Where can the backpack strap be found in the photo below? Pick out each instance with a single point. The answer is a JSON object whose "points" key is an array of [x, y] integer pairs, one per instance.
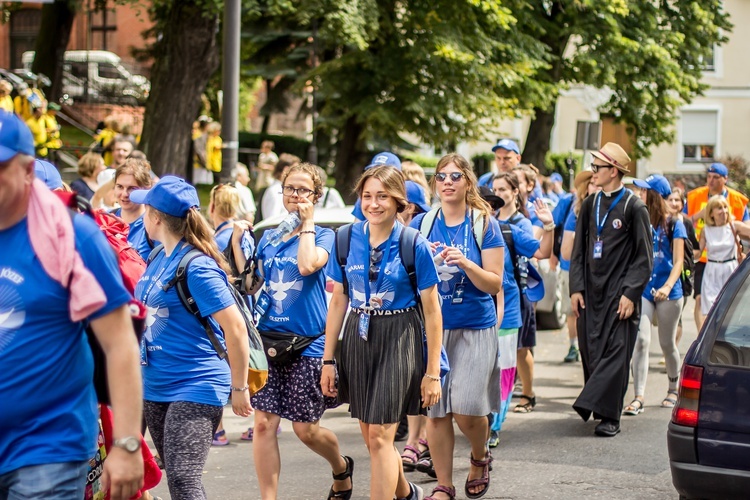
{"points": [[179, 281], [425, 225], [507, 233], [407, 247], [152, 255], [478, 224], [343, 241]]}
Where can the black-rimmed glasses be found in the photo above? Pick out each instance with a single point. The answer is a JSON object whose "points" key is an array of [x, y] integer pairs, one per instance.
{"points": [[595, 168], [301, 192], [455, 176], [376, 255]]}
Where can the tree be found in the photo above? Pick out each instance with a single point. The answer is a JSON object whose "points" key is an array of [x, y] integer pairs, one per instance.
{"points": [[648, 53]]}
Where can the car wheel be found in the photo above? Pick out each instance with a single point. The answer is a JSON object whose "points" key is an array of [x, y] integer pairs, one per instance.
{"points": [[554, 319]]}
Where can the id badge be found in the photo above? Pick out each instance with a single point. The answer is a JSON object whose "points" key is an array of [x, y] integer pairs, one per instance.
{"points": [[598, 249], [364, 325], [144, 352], [458, 293], [261, 306]]}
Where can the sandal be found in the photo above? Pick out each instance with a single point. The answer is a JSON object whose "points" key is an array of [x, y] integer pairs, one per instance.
{"points": [[527, 407], [669, 402], [248, 435], [482, 481], [220, 439], [409, 458], [347, 474], [448, 490], [634, 408]]}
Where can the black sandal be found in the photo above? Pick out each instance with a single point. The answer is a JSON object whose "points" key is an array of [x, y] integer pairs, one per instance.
{"points": [[527, 407], [347, 474]]}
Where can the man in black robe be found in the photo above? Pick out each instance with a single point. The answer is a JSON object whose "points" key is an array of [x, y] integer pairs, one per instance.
{"points": [[610, 266]]}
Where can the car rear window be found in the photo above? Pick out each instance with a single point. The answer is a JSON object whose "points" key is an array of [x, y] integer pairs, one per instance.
{"points": [[732, 346]]}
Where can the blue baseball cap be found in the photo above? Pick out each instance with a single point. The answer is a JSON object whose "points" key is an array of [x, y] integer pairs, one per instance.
{"points": [[172, 195], [656, 182], [508, 144], [47, 173], [534, 284], [415, 194], [555, 177], [385, 158], [719, 168], [15, 137]]}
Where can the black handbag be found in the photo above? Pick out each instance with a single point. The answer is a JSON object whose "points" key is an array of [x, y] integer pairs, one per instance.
{"points": [[285, 346]]}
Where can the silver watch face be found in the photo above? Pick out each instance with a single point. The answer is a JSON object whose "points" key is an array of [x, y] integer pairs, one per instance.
{"points": [[129, 444]]}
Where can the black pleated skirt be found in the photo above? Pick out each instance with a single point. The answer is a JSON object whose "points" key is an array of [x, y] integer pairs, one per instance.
{"points": [[380, 377]]}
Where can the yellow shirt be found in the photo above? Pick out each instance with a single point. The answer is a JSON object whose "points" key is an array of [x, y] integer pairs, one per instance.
{"points": [[105, 138], [6, 104], [53, 131], [213, 153], [36, 125]]}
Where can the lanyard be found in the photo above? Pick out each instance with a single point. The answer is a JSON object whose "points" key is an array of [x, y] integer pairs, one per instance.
{"points": [[600, 222], [444, 231], [384, 262], [221, 226], [176, 251]]}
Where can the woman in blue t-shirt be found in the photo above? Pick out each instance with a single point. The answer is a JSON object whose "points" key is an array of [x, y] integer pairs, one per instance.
{"points": [[186, 383], [293, 294], [525, 247], [131, 176], [470, 274], [381, 369], [663, 294]]}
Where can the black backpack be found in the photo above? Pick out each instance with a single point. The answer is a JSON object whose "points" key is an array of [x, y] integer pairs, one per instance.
{"points": [[688, 261], [520, 263], [240, 282]]}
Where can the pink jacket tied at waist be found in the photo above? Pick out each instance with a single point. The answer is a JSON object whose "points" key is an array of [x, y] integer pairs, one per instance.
{"points": [[53, 241]]}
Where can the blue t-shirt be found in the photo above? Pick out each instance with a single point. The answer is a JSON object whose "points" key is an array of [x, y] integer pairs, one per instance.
{"points": [[477, 309], [297, 303], [486, 179], [224, 238], [137, 236], [531, 208], [663, 264], [526, 245], [395, 290], [48, 405], [182, 363], [570, 225], [562, 208], [357, 211]]}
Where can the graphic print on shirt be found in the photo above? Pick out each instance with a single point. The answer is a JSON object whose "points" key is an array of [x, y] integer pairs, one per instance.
{"points": [[386, 294], [12, 312], [284, 287], [156, 319], [447, 275]]}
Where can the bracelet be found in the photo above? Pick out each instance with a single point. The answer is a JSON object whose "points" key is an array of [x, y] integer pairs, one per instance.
{"points": [[308, 232], [549, 227], [432, 377], [329, 362], [239, 389]]}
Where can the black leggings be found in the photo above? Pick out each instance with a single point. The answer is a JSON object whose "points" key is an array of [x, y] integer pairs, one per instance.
{"points": [[182, 434]]}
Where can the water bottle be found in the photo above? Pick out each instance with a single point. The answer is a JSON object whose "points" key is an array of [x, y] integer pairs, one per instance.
{"points": [[523, 271], [286, 227]]}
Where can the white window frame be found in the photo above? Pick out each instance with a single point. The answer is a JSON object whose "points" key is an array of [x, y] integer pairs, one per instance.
{"points": [[698, 166]]}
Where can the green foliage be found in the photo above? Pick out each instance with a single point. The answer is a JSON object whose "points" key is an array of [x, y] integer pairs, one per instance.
{"points": [[556, 162], [738, 167], [426, 162], [283, 143]]}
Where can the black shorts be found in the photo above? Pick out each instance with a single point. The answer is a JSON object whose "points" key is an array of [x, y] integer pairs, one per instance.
{"points": [[527, 332], [698, 278]]}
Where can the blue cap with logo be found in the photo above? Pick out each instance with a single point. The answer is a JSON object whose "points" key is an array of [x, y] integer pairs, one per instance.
{"points": [[415, 194], [508, 144], [555, 177], [656, 182], [15, 137], [48, 173], [385, 158], [172, 195], [719, 168]]}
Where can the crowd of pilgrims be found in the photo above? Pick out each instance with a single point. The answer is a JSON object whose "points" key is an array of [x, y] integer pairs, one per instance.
{"points": [[378, 344]]}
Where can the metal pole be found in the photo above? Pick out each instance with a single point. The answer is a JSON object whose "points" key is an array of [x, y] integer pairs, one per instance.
{"points": [[231, 87], [312, 153]]}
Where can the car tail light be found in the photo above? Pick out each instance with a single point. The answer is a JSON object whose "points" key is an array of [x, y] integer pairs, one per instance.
{"points": [[686, 410]]}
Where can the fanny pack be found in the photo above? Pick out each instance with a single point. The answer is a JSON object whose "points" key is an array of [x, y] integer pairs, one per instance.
{"points": [[285, 346]]}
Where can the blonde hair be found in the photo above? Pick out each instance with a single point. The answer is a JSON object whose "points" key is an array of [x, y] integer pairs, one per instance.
{"points": [[88, 164], [474, 200], [225, 200], [313, 171], [393, 181], [714, 202], [414, 172], [139, 169]]}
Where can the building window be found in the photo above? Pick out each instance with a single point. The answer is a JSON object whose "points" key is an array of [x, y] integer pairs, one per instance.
{"points": [[24, 28], [103, 28], [699, 136], [709, 62]]}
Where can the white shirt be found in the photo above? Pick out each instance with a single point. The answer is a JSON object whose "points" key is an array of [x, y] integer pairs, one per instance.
{"points": [[331, 199], [273, 201], [247, 201]]}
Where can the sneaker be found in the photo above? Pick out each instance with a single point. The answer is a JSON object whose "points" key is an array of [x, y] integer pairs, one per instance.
{"points": [[494, 439], [416, 492], [573, 355]]}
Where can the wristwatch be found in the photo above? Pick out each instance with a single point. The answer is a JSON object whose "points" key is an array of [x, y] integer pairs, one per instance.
{"points": [[130, 444]]}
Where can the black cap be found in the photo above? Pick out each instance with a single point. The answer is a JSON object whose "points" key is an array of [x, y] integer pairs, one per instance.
{"points": [[490, 197]]}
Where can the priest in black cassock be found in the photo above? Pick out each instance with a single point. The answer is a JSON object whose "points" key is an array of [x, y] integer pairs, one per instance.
{"points": [[609, 268]]}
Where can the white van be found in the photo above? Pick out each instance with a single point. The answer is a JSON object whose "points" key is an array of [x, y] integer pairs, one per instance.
{"points": [[98, 75]]}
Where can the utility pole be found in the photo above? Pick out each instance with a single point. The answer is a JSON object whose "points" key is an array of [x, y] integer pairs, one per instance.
{"points": [[231, 88]]}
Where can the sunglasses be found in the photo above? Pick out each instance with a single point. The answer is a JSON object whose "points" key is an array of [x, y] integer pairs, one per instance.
{"points": [[455, 176], [376, 256], [595, 168]]}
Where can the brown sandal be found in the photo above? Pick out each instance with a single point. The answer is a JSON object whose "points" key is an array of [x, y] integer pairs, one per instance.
{"points": [[482, 481], [409, 458], [448, 490]]}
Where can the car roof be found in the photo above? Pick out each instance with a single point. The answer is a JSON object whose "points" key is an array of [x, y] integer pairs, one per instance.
{"points": [[322, 216]]}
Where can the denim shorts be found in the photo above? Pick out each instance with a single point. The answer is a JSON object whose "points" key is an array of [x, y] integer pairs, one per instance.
{"points": [[63, 481]]}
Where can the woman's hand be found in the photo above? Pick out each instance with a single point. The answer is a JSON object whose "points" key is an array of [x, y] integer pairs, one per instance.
{"points": [[306, 210], [662, 293], [431, 391], [543, 213], [241, 403], [238, 229], [328, 381], [455, 257]]}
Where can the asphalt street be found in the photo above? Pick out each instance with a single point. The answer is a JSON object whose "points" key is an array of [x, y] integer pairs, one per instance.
{"points": [[549, 453]]}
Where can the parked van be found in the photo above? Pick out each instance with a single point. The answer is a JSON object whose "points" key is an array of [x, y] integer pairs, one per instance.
{"points": [[99, 76]]}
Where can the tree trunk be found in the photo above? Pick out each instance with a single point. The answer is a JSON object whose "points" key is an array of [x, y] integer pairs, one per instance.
{"points": [[350, 158], [267, 117], [538, 138], [54, 33], [185, 57]]}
